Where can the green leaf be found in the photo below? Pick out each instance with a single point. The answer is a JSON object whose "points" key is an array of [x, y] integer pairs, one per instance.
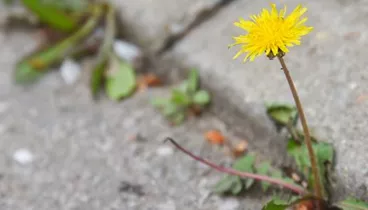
{"points": [[193, 81], [180, 98], [227, 184], [353, 204], [52, 15], [276, 205], [237, 186], [121, 82], [275, 173], [183, 86], [33, 67], [282, 113], [263, 169], [324, 153], [298, 153], [245, 164], [68, 5], [160, 102], [169, 109], [25, 73], [201, 97]]}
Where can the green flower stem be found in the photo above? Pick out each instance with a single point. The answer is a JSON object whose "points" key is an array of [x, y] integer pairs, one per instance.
{"points": [[307, 137], [287, 185]]}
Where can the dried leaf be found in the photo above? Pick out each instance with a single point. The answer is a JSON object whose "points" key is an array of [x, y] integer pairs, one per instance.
{"points": [[148, 80], [240, 148], [151, 80], [214, 137]]}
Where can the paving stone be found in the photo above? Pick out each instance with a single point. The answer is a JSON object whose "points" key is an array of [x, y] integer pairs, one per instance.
{"points": [[150, 23], [98, 155], [329, 69]]}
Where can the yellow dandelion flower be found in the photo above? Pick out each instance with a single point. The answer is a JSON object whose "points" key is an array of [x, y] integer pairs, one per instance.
{"points": [[270, 32]]}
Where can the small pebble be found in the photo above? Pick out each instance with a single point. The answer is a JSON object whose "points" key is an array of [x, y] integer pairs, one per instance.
{"points": [[353, 85], [322, 35], [23, 156], [70, 71], [127, 51], [164, 151]]}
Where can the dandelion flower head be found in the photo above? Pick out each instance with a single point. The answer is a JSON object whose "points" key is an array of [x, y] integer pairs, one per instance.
{"points": [[271, 32]]}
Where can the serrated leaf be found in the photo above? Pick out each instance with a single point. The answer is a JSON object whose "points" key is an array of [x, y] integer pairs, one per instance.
{"points": [[324, 153], [237, 186], [297, 151], [245, 164], [227, 183], [263, 169], [180, 98], [353, 204], [278, 174], [201, 97], [275, 205], [193, 81], [121, 82], [282, 113]]}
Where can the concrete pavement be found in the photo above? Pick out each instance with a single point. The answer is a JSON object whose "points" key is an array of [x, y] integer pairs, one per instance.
{"points": [[329, 69]]}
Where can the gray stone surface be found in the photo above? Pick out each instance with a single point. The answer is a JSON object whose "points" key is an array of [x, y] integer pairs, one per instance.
{"points": [[329, 68], [83, 150], [151, 23]]}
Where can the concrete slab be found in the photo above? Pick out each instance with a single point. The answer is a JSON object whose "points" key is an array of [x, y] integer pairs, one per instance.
{"points": [[151, 24], [61, 150], [329, 68]]}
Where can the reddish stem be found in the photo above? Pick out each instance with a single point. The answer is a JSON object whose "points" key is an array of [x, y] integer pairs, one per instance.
{"points": [[271, 180]]}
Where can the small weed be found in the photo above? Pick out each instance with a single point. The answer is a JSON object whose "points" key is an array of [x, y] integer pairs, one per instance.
{"points": [[186, 99]]}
